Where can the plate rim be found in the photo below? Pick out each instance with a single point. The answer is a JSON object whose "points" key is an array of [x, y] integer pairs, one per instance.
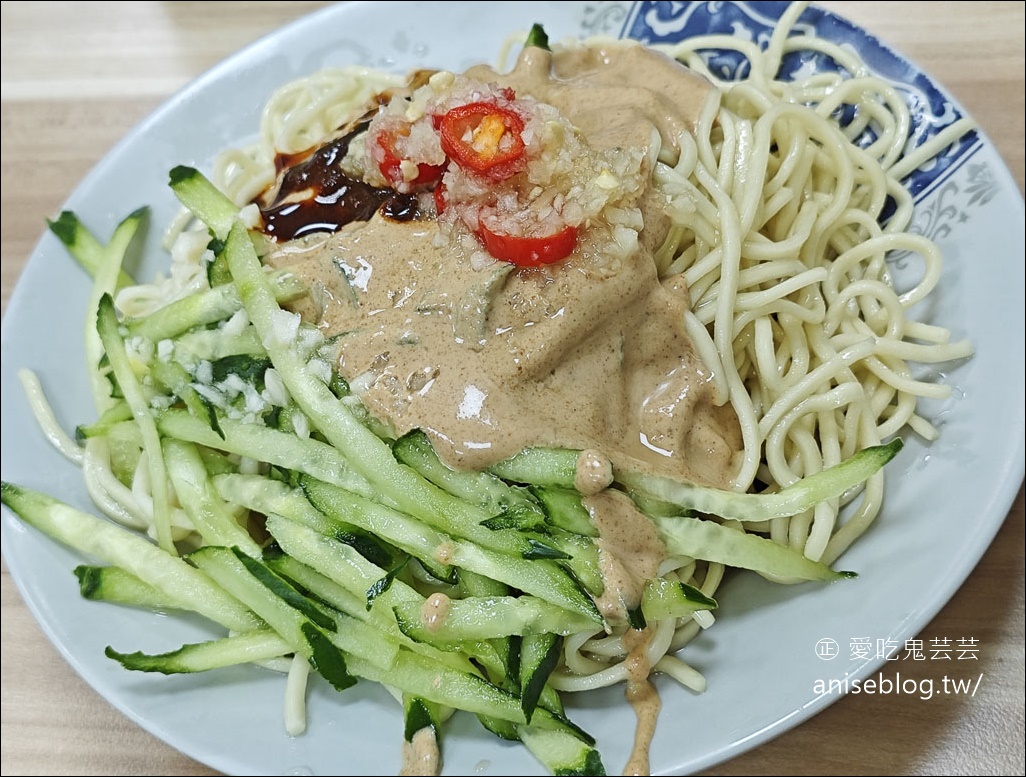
{"points": [[1010, 481]]}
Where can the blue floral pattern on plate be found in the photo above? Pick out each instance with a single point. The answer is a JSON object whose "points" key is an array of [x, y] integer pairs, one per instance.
{"points": [[932, 109]]}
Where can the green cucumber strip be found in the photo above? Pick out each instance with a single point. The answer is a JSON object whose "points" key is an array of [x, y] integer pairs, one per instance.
{"points": [[327, 657], [507, 674], [339, 597], [419, 714], [110, 337], [708, 540], [662, 599], [329, 591], [218, 463], [217, 271], [124, 445], [488, 617], [479, 488], [636, 618], [381, 585], [228, 569], [562, 752], [205, 308], [488, 661], [551, 700], [266, 496], [583, 559], [653, 507], [105, 283], [113, 544], [403, 531], [370, 455], [83, 246], [209, 513], [213, 344], [259, 645], [541, 467], [407, 535], [205, 200], [263, 443], [565, 509], [115, 585], [351, 603], [287, 611], [113, 415], [417, 675], [531, 521], [792, 500], [539, 654], [504, 729], [177, 381], [341, 564], [246, 367], [473, 584], [287, 592], [540, 577], [538, 549]]}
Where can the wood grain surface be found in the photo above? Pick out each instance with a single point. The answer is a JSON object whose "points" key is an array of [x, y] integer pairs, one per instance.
{"points": [[76, 77]]}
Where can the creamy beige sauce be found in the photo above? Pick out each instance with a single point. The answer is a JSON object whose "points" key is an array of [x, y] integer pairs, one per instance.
{"points": [[593, 472], [434, 610], [630, 552], [444, 553], [615, 93], [643, 698], [421, 756], [490, 361]]}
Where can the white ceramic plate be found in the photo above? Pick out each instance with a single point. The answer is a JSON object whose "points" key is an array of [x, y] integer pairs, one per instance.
{"points": [[944, 503]]}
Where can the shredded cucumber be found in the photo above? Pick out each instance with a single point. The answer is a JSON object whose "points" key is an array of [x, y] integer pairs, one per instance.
{"points": [[361, 540], [101, 539], [795, 499], [201, 657]]}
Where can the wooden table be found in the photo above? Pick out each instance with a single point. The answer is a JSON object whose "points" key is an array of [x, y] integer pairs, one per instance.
{"points": [[78, 76]]}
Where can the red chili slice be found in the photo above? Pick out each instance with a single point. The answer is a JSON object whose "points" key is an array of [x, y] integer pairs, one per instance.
{"points": [[528, 251], [484, 138], [441, 200], [390, 163]]}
